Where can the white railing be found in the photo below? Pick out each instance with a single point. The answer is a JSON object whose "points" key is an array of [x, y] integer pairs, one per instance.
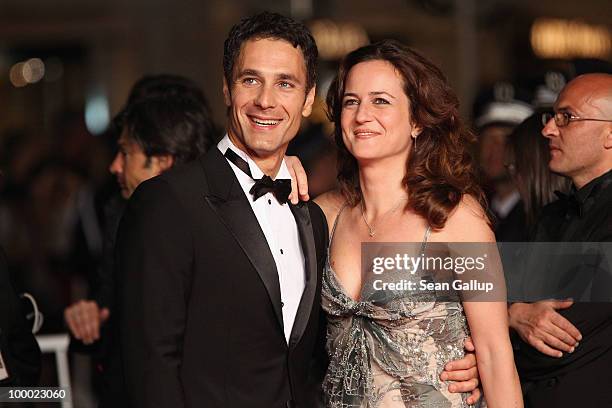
{"points": [[58, 344]]}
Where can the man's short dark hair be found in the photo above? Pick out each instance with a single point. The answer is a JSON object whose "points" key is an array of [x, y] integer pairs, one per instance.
{"points": [[167, 86], [274, 26], [152, 86], [173, 125]]}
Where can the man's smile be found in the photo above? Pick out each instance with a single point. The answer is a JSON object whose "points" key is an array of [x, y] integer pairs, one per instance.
{"points": [[264, 122]]}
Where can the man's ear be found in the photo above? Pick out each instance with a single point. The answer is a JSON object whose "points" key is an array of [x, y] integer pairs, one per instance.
{"points": [[307, 109], [608, 138], [164, 162], [227, 98]]}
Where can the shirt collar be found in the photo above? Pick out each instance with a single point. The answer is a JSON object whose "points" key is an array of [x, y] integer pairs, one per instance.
{"points": [[593, 187], [226, 143], [503, 206], [579, 201]]}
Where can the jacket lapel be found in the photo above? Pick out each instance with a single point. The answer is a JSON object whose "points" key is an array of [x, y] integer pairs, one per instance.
{"points": [[302, 219], [227, 200]]}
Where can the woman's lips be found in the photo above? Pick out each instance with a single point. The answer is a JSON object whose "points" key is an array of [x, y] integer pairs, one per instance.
{"points": [[365, 133]]}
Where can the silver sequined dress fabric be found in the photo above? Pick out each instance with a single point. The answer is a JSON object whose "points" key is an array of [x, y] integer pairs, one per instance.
{"points": [[388, 349]]}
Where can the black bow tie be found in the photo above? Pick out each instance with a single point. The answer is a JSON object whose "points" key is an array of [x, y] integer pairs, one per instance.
{"points": [[281, 188]]}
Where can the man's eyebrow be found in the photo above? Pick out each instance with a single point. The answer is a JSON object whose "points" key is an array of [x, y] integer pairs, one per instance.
{"points": [[288, 77], [249, 72], [564, 108], [279, 77]]}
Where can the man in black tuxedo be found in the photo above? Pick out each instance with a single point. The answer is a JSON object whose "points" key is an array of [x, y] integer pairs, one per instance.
{"points": [[221, 277], [215, 312]]}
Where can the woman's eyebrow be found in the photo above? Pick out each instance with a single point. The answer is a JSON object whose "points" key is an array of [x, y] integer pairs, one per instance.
{"points": [[373, 93]]}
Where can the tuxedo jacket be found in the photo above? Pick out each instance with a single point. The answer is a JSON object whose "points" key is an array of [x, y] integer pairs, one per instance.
{"points": [[200, 307]]}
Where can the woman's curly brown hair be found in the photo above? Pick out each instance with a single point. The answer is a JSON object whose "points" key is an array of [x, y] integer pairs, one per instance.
{"points": [[442, 170]]}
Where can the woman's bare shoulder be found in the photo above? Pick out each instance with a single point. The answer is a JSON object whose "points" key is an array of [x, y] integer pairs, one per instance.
{"points": [[468, 222]]}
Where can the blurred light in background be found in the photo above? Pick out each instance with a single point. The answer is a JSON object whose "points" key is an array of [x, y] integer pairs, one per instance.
{"points": [[335, 40], [33, 70], [27, 72], [16, 75], [557, 38], [97, 115]]}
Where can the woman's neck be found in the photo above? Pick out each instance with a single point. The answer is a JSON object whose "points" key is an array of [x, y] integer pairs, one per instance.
{"points": [[381, 185]]}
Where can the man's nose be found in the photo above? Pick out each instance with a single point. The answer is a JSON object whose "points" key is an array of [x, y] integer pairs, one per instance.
{"points": [[116, 166], [551, 129], [266, 98]]}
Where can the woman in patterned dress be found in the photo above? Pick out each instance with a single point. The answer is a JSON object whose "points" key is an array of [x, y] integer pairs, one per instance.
{"points": [[406, 176]]}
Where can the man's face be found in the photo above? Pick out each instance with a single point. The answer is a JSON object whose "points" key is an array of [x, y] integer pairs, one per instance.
{"points": [[578, 150], [492, 145], [267, 97], [131, 166]]}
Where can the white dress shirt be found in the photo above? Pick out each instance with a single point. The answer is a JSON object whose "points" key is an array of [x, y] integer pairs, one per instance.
{"points": [[278, 225]]}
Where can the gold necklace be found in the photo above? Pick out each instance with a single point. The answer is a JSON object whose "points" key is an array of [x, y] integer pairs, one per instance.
{"points": [[371, 228]]}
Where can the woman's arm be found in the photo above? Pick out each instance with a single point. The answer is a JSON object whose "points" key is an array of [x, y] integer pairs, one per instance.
{"points": [[488, 323], [299, 180], [488, 320], [330, 202]]}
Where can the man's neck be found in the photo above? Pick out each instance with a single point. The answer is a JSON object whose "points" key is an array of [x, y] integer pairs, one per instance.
{"points": [[581, 180], [269, 164]]}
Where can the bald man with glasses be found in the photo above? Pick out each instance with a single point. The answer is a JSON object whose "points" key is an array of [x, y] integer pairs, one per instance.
{"points": [[566, 352]]}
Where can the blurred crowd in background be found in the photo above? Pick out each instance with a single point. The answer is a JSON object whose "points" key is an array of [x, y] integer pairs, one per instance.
{"points": [[57, 139]]}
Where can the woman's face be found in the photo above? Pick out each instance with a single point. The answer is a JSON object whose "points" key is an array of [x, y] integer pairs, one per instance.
{"points": [[375, 119]]}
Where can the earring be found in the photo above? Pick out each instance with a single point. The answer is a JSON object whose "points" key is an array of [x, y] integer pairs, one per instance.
{"points": [[414, 143]]}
